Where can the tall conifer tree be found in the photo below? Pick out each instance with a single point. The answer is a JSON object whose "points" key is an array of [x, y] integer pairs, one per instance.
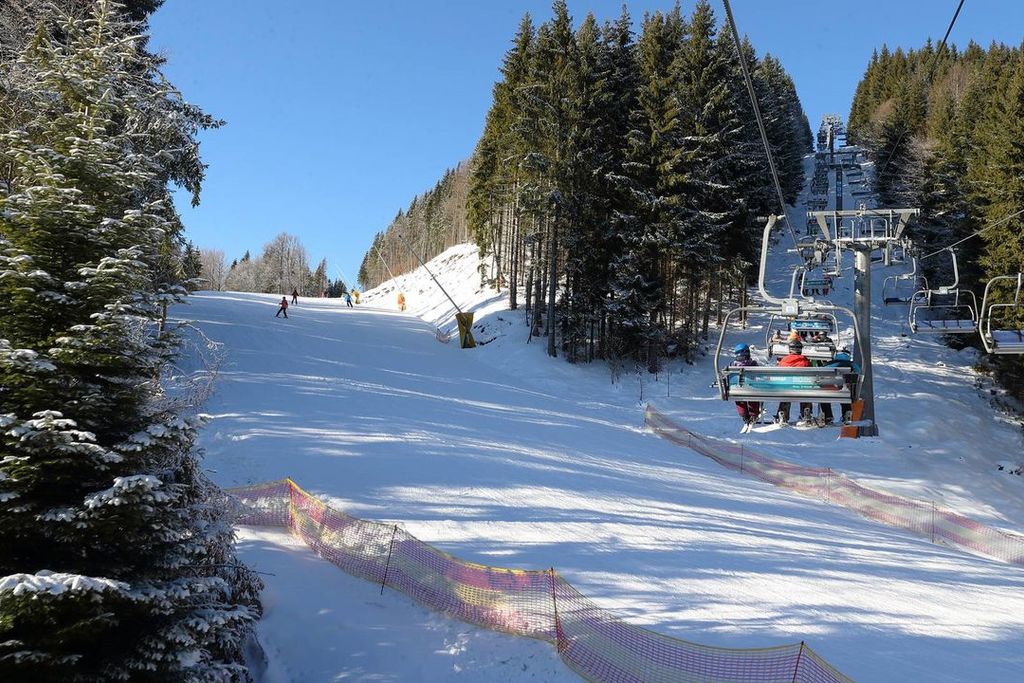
{"points": [[115, 551]]}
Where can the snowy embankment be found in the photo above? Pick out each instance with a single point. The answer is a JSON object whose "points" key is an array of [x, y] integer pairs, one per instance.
{"points": [[457, 271]]}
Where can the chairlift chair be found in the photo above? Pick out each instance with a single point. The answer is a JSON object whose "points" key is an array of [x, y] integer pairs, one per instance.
{"points": [[827, 324], [898, 253], [814, 286], [1008, 338], [894, 294], [775, 383], [945, 310], [781, 383]]}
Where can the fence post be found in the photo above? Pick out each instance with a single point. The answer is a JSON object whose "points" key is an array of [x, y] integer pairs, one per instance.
{"points": [[796, 669], [933, 521], [387, 565], [559, 636], [292, 486]]}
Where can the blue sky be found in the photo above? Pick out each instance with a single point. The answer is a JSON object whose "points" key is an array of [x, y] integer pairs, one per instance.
{"points": [[339, 112]]}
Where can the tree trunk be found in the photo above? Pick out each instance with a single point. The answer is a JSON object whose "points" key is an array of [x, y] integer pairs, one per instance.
{"points": [[552, 285], [513, 277]]}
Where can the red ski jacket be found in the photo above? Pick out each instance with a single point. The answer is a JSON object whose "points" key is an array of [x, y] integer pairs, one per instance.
{"points": [[794, 360]]}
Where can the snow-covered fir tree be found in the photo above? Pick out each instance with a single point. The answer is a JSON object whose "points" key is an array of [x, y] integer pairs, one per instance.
{"points": [[115, 551]]}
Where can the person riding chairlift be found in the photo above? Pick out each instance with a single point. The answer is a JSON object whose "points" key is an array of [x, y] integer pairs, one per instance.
{"points": [[748, 410], [795, 359], [842, 359]]}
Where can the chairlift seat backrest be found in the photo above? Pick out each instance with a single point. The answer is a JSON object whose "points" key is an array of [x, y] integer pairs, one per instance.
{"points": [[943, 318], [1007, 341], [782, 383], [811, 326], [811, 350]]}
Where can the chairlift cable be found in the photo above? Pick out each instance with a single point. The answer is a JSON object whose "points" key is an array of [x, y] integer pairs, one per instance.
{"points": [[973, 234], [422, 263], [760, 120], [928, 75]]}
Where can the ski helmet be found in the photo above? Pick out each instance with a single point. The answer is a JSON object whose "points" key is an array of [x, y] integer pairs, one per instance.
{"points": [[741, 349]]}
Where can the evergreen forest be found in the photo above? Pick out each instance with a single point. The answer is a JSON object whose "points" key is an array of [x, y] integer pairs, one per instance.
{"points": [[944, 127], [619, 187]]}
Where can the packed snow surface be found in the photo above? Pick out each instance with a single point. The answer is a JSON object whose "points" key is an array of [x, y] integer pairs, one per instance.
{"points": [[502, 456]]}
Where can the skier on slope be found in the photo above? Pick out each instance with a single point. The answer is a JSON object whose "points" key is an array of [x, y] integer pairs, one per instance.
{"points": [[795, 359], [295, 296], [401, 301], [283, 307], [748, 410]]}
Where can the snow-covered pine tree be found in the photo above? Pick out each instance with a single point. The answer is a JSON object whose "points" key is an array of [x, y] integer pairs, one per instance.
{"points": [[320, 279], [115, 552], [651, 183], [191, 266], [586, 255]]}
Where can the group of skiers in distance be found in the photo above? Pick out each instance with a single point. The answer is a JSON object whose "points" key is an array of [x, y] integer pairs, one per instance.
{"points": [[283, 304], [348, 296], [750, 411]]}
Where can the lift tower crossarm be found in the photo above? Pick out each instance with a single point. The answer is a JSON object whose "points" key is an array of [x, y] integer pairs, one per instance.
{"points": [[895, 225]]}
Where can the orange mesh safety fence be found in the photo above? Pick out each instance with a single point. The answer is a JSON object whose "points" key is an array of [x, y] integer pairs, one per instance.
{"points": [[539, 604], [920, 517]]}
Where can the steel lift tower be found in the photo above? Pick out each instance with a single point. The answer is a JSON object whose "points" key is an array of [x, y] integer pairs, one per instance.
{"points": [[862, 231]]}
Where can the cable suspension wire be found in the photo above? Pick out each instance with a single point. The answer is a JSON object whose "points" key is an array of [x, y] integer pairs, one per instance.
{"points": [[413, 252], [760, 120], [973, 234], [381, 256], [928, 75]]}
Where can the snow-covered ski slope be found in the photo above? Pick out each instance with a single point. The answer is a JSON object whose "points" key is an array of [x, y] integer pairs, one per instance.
{"points": [[502, 456]]}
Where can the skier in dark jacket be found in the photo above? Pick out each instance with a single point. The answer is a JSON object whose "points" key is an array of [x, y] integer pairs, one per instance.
{"points": [[748, 410], [795, 359], [282, 308], [295, 296], [842, 360]]}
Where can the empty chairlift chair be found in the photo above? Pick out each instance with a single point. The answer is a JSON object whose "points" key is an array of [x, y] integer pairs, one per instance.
{"points": [[945, 310], [1002, 324], [895, 292]]}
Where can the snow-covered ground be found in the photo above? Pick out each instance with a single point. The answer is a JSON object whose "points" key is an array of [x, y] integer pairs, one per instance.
{"points": [[502, 456]]}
